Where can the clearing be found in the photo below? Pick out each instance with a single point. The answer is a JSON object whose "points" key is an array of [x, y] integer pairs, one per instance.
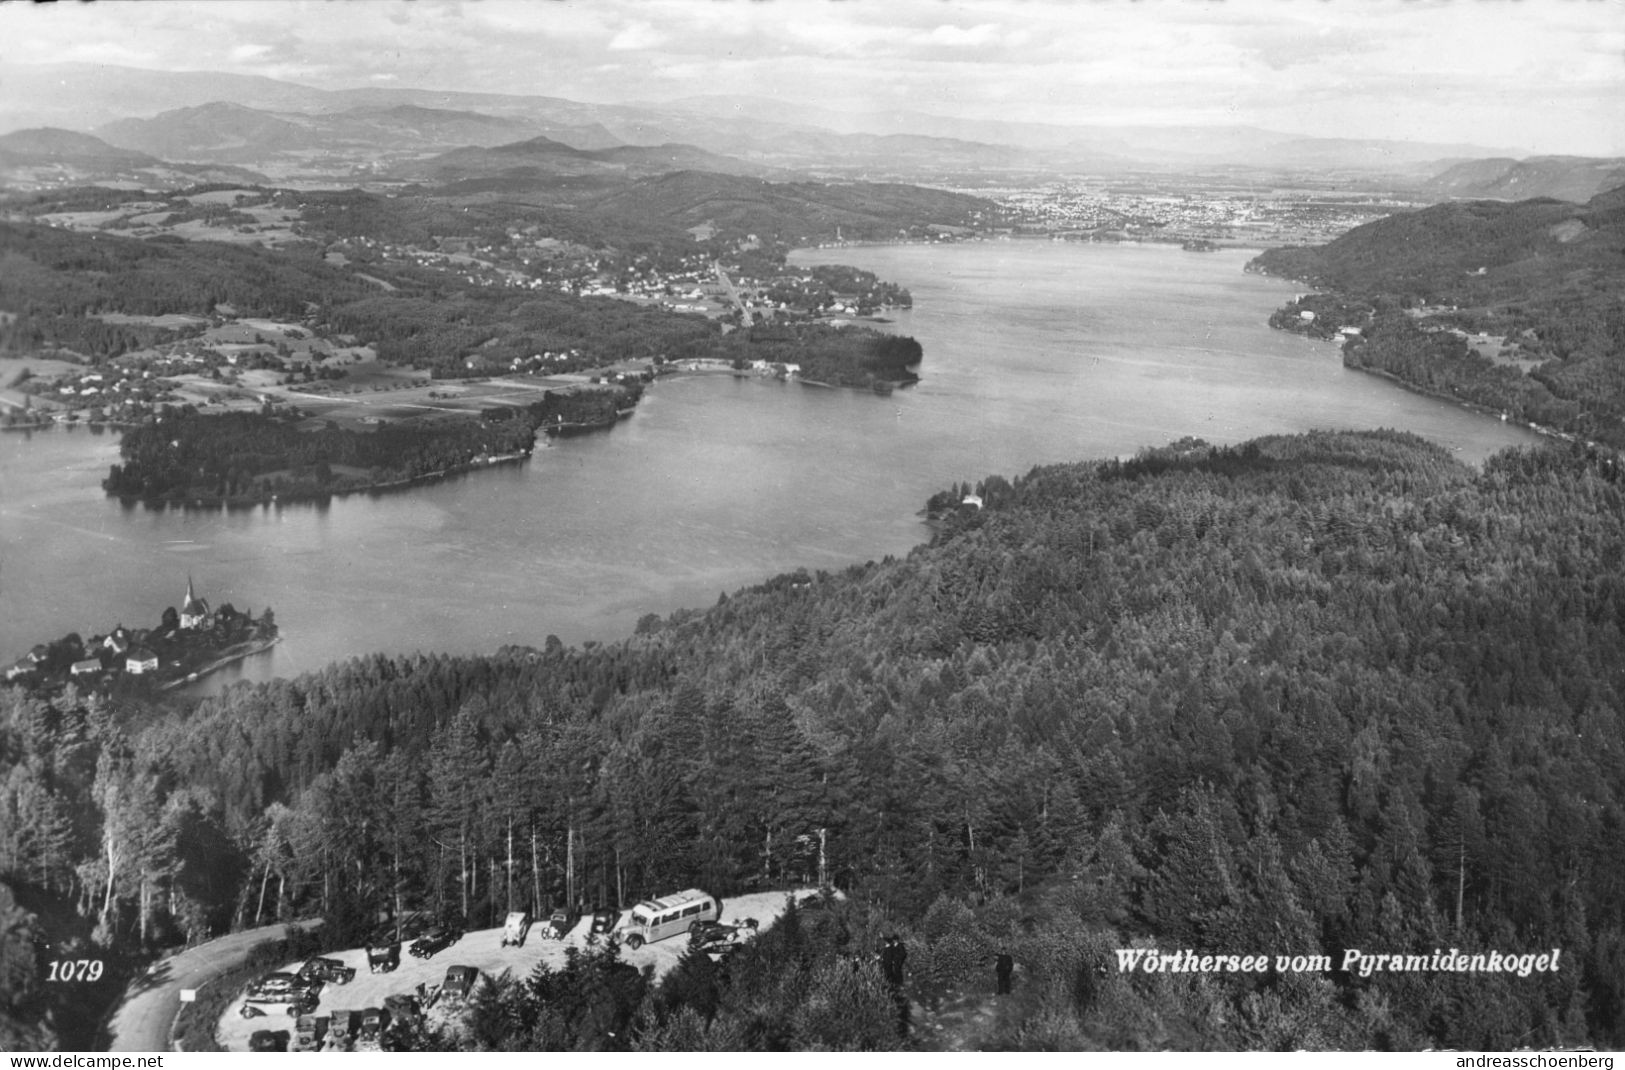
{"points": [[484, 951]]}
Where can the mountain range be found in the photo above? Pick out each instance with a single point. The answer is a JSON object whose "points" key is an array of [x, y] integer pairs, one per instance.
{"points": [[1567, 178], [202, 116], [48, 155]]}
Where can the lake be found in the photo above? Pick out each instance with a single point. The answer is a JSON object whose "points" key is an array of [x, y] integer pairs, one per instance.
{"points": [[1035, 352]]}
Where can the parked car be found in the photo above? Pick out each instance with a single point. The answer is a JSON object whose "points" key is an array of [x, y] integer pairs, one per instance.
{"points": [[266, 1040], [434, 941], [275, 988], [309, 1033], [560, 923], [326, 971], [604, 920], [712, 932], [299, 996], [383, 953], [460, 981], [372, 1023], [341, 1029], [403, 1007], [516, 928]]}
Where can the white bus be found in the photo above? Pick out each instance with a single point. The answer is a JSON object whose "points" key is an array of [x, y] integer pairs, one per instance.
{"points": [[656, 919]]}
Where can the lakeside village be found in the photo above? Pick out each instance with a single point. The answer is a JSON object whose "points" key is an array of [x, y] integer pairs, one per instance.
{"points": [[186, 645]]}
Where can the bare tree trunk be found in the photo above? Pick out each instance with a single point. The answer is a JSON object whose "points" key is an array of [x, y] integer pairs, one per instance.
{"points": [[112, 868], [535, 874], [510, 863], [570, 864], [260, 909], [1461, 878]]}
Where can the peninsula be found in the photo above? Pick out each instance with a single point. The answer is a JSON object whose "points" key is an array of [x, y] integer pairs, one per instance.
{"points": [[183, 456], [186, 644]]}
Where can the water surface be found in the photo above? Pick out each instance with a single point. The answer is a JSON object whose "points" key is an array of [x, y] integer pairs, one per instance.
{"points": [[1035, 353]]}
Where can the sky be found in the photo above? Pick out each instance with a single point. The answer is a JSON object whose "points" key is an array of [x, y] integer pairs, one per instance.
{"points": [[1543, 75]]}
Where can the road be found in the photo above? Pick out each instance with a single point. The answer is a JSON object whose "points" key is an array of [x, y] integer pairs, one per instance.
{"points": [[739, 302], [153, 999]]}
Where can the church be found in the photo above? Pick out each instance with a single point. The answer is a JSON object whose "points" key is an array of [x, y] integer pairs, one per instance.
{"points": [[194, 611]]}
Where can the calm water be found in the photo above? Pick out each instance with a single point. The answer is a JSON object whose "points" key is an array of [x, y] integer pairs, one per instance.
{"points": [[1035, 353]]}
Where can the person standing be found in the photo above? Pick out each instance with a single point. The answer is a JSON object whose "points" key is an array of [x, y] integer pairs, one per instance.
{"points": [[1003, 967], [893, 958]]}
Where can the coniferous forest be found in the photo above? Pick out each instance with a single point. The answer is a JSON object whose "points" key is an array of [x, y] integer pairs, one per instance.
{"points": [[1308, 694]]}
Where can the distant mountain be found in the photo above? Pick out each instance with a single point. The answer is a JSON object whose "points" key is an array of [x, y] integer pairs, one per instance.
{"points": [[48, 145], [220, 132], [48, 156], [902, 143], [544, 158], [1568, 178], [791, 211], [1470, 252], [217, 132]]}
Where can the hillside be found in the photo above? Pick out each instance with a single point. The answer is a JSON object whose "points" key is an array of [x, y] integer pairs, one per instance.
{"points": [[1312, 693], [49, 156], [791, 211], [542, 158], [1519, 308], [1567, 178], [332, 140]]}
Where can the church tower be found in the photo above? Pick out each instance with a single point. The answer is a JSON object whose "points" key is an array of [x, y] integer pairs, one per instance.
{"points": [[194, 611]]}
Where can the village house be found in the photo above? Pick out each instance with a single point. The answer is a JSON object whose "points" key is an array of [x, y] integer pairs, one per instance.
{"points": [[141, 660], [86, 667]]}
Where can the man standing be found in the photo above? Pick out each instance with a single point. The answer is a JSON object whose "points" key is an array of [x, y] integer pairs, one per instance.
{"points": [[1003, 967], [892, 960]]}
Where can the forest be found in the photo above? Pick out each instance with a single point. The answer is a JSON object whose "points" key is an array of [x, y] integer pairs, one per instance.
{"points": [[183, 455], [1546, 276], [1314, 692], [828, 355]]}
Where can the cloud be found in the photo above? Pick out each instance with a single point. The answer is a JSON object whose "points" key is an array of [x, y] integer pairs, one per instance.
{"points": [[954, 37], [637, 37]]}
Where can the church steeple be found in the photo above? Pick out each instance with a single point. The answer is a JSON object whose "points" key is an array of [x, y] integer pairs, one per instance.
{"points": [[194, 611]]}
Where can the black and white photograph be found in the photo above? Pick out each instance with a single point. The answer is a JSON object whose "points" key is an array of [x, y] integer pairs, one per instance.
{"points": [[812, 525]]}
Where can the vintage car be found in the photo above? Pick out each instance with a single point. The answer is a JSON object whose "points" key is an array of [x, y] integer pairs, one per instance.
{"points": [[309, 1033], [383, 953], [434, 941], [266, 1040], [560, 922], [320, 971], [460, 981], [403, 1007], [341, 1029], [516, 928], [604, 920], [373, 1020]]}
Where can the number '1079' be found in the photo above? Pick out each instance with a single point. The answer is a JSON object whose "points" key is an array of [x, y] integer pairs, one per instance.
{"points": [[76, 970]]}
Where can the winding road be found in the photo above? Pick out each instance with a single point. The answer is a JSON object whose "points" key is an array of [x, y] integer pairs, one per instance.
{"points": [[145, 1017]]}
